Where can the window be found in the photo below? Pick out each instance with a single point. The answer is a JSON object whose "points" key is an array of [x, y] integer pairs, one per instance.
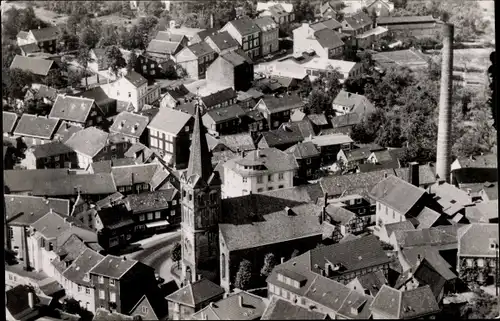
{"points": [[270, 188], [172, 213], [157, 214], [281, 278], [102, 296], [79, 288], [259, 180], [118, 93], [480, 262], [150, 216], [244, 179], [141, 217], [87, 290], [86, 277], [112, 282], [144, 67], [223, 265], [260, 190], [154, 142], [101, 280], [112, 297], [281, 176], [281, 186], [174, 202], [176, 307], [144, 309], [129, 94], [492, 263], [186, 128], [308, 161], [470, 263], [152, 72], [308, 172], [99, 119], [270, 178]]}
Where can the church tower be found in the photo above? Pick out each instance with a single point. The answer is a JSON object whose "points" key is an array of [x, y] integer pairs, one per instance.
{"points": [[201, 209]]}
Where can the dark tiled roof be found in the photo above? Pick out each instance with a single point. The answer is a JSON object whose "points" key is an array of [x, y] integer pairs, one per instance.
{"points": [[279, 137], [303, 193], [23, 209], [163, 47], [114, 267], [418, 302], [17, 301], [34, 65], [287, 102], [243, 141], [45, 34], [265, 22], [427, 217], [272, 159], [237, 57], [433, 257], [75, 109], [466, 175], [9, 121], [223, 40], [201, 49], [397, 194], [89, 184], [357, 154], [303, 150], [372, 281], [479, 161], [179, 92], [135, 78], [195, 293], [51, 149], [36, 126], [220, 115], [81, 266], [98, 95], [89, 141], [329, 24], [339, 215], [206, 32], [134, 174], [129, 124], [349, 119], [427, 275], [245, 26], [151, 200], [66, 130], [103, 314], [328, 38], [404, 20], [370, 167], [230, 309], [25, 180], [388, 301], [398, 226], [219, 97], [431, 236], [170, 121], [337, 185], [279, 309], [356, 103]]}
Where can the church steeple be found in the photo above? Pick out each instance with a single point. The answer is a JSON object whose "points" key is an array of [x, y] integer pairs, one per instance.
{"points": [[200, 158]]}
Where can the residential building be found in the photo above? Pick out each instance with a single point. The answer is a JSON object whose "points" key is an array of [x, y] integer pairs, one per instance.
{"points": [[361, 27], [150, 308], [106, 104], [38, 91], [36, 130], [382, 8], [120, 283], [324, 41], [281, 12], [22, 181], [176, 96], [344, 124], [486, 212], [330, 145], [195, 59], [93, 145], [478, 161], [224, 121], [132, 126], [65, 131], [51, 155], [247, 34], [255, 122], [236, 306], [202, 35], [369, 283], [361, 205], [351, 159], [36, 66], [416, 26], [386, 232], [339, 222], [222, 42], [169, 132], [310, 193], [279, 309], [307, 157], [188, 32], [44, 38], [165, 46], [9, 122], [232, 69], [133, 88], [277, 110], [134, 178], [99, 60], [412, 304], [269, 36], [193, 297], [281, 138], [330, 9], [258, 171], [346, 102], [477, 252], [114, 226], [30, 49], [77, 111]]}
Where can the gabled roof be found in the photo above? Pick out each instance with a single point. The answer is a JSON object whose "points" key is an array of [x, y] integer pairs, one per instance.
{"points": [[279, 309], [24, 209], [397, 194], [332, 139], [372, 281], [328, 38], [163, 47], [129, 124], [346, 120], [229, 308], [51, 149], [356, 103], [304, 126], [427, 275], [66, 130], [30, 48], [279, 137], [337, 185], [357, 154], [114, 267], [52, 224], [169, 36], [279, 104], [339, 215], [150, 200], [359, 20], [427, 217], [245, 26], [196, 293], [479, 161], [89, 184], [24, 180], [433, 257], [475, 240], [200, 158], [23, 34], [17, 302], [265, 23], [303, 150], [242, 141], [89, 141], [398, 226], [318, 119], [170, 121], [236, 57], [203, 34], [134, 174], [219, 97], [9, 120], [200, 49], [433, 236], [485, 212], [34, 65], [288, 7], [328, 24], [135, 78], [36, 126], [81, 266], [426, 174], [44, 91], [223, 40], [45, 34]]}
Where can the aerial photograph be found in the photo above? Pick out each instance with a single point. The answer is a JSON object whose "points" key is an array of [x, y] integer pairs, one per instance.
{"points": [[250, 160]]}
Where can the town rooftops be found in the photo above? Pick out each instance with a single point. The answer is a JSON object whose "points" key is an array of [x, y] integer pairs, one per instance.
{"points": [[271, 160], [318, 119], [338, 214], [245, 26], [134, 174], [242, 141], [328, 38], [303, 150], [9, 121], [397, 194], [372, 281], [196, 293], [354, 102], [170, 121], [114, 267], [200, 49], [78, 271], [169, 36], [204, 33], [36, 126], [98, 95], [262, 6], [223, 114], [135, 78], [279, 104], [398, 226], [405, 20], [219, 97], [426, 174], [66, 130], [24, 209], [408, 57], [36, 66], [288, 224], [478, 240], [129, 124], [51, 149], [331, 24], [479, 161], [75, 109], [358, 20], [405, 304], [236, 57], [332, 139], [304, 127], [223, 40], [52, 224], [151, 200], [337, 185], [279, 137], [416, 254], [236, 306], [265, 23], [279, 309], [325, 64], [89, 141], [88, 184], [302, 193]]}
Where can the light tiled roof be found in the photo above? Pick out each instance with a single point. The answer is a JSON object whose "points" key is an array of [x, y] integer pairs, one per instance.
{"points": [[304, 126], [34, 65], [426, 174], [484, 212], [479, 161], [89, 141], [265, 23], [433, 257], [51, 149], [201, 49], [36, 126], [427, 217], [398, 226], [24, 180], [328, 38], [9, 121], [23, 209], [245, 26], [272, 159], [135, 78], [45, 34], [329, 24], [337, 185], [279, 137], [170, 121], [169, 36], [302, 193], [70, 108], [474, 240], [195, 293], [151, 200], [356, 103], [129, 124], [114, 267], [339, 215], [236, 57], [404, 20], [223, 40], [279, 309], [372, 281], [359, 20], [279, 104], [318, 119], [229, 308], [163, 47], [223, 114], [332, 139]]}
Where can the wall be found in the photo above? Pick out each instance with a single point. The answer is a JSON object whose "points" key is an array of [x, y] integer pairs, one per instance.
{"points": [[269, 42], [235, 186], [221, 72], [179, 312], [388, 215]]}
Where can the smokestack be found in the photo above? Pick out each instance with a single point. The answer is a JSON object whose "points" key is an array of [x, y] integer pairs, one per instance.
{"points": [[443, 154], [413, 174], [31, 300]]}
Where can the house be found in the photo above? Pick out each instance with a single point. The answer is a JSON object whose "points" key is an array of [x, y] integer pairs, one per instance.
{"points": [[257, 171], [193, 297], [282, 13], [478, 161], [477, 252], [330, 9], [134, 178], [390, 303], [183, 30], [224, 120], [222, 98], [202, 35], [93, 145], [120, 283], [115, 226], [269, 36], [281, 138], [359, 204], [330, 145], [321, 66], [387, 230], [106, 104], [339, 222], [360, 26], [133, 88], [247, 33], [325, 42], [236, 306], [152, 69], [195, 59], [307, 157], [369, 283], [222, 42], [44, 38], [384, 155], [169, 131], [29, 49], [416, 26], [352, 158], [140, 154], [277, 110], [150, 308], [22, 303], [346, 102], [442, 238], [410, 58], [382, 8], [51, 155], [165, 46], [42, 92], [9, 122], [176, 96], [36, 66], [132, 126], [232, 69], [36, 130], [452, 199], [280, 232], [279, 309], [156, 211], [79, 111], [22, 181], [486, 212]]}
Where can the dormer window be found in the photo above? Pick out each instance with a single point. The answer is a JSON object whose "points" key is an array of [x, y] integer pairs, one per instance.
{"points": [[493, 244], [86, 277]]}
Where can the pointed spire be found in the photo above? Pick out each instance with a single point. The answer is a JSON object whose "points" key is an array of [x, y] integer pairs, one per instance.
{"points": [[200, 158]]}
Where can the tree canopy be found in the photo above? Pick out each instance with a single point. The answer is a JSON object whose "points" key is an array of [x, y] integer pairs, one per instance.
{"points": [[243, 279]]}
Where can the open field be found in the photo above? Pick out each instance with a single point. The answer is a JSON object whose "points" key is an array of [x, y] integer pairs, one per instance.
{"points": [[45, 15]]}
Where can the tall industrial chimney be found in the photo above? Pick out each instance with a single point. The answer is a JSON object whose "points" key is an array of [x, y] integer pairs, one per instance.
{"points": [[443, 154]]}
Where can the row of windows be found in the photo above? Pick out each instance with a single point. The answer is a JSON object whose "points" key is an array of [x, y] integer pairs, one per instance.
{"points": [[479, 262], [260, 179], [288, 281], [112, 296], [165, 136]]}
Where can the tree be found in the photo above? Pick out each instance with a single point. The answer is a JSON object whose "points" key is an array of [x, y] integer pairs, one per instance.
{"points": [[9, 50], [15, 20], [132, 60], [109, 37], [154, 8], [67, 41], [319, 102], [36, 107], [84, 59], [177, 253], [303, 10], [15, 83], [243, 279], [75, 78], [269, 264], [115, 59]]}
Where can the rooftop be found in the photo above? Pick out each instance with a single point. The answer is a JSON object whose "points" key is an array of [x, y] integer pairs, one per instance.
{"points": [[150, 200], [9, 120], [200, 49], [332, 139], [405, 20], [242, 141], [478, 240], [129, 124], [282, 136], [135, 78], [36, 126], [45, 34], [51, 149], [78, 270], [328, 38], [223, 40], [479, 161], [245, 26], [36, 66], [356, 103], [88, 184], [279, 104], [236, 306], [129, 175], [113, 266], [24, 180], [163, 47], [23, 209], [236, 57], [279, 309], [196, 293], [219, 97], [66, 130], [271, 160], [89, 141], [303, 150], [302, 193], [170, 121], [70, 108]]}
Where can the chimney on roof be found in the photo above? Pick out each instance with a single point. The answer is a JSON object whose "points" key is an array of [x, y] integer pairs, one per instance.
{"points": [[413, 175], [282, 260], [385, 175], [124, 258], [31, 296], [419, 259], [212, 20], [199, 277], [240, 301]]}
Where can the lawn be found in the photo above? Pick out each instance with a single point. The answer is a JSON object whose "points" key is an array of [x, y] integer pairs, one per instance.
{"points": [[118, 21]]}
